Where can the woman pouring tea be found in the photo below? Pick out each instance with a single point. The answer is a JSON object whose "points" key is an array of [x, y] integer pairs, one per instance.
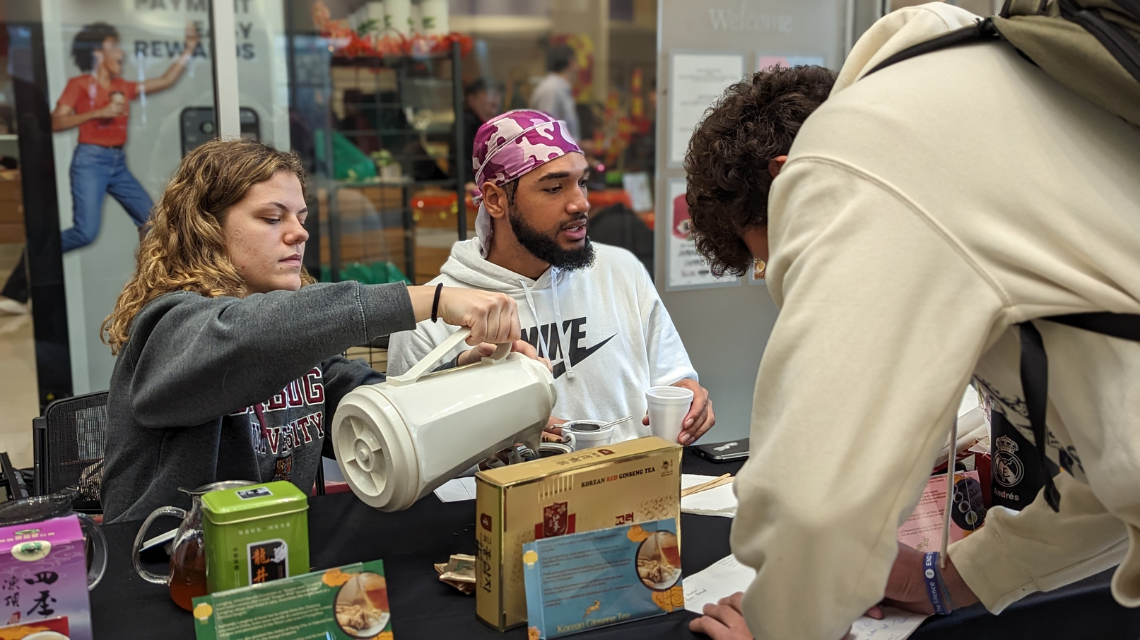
{"points": [[229, 364]]}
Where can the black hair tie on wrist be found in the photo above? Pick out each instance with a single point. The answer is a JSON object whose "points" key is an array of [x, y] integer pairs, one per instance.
{"points": [[435, 303]]}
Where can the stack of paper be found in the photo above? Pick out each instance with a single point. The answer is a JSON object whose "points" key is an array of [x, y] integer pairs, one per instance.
{"points": [[714, 502], [727, 576], [724, 578], [456, 490]]}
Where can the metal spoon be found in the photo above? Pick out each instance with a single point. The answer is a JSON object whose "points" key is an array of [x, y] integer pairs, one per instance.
{"points": [[602, 426]]}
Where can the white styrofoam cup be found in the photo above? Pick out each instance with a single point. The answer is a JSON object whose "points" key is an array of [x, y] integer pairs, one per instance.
{"points": [[667, 409]]}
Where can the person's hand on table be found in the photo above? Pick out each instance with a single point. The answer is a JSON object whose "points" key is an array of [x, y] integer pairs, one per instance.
{"points": [[723, 620], [700, 417], [906, 586]]}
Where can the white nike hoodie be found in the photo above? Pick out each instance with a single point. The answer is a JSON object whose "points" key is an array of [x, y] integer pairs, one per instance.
{"points": [[604, 328]]}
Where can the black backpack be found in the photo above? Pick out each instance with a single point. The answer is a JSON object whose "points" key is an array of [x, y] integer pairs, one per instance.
{"points": [[1093, 48]]}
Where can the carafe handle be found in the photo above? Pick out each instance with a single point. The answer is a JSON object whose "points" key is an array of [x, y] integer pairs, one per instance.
{"points": [[141, 538], [432, 358]]}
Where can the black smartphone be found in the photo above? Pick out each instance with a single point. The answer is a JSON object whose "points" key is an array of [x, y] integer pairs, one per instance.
{"points": [[723, 451]]}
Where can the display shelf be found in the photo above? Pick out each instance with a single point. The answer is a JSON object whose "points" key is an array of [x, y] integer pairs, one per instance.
{"points": [[381, 113]]}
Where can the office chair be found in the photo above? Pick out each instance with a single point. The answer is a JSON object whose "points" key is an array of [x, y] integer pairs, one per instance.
{"points": [[68, 444], [68, 441]]}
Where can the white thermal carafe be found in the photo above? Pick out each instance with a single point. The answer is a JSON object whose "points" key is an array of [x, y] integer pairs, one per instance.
{"points": [[399, 440]]}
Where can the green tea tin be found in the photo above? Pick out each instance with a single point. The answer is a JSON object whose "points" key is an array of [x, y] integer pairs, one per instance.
{"points": [[255, 534]]}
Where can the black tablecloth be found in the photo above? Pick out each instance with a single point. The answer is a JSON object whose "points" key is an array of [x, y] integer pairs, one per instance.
{"points": [[342, 530]]}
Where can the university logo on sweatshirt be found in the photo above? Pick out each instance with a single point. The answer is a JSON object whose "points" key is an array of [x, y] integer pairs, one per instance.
{"points": [[285, 421], [576, 350]]}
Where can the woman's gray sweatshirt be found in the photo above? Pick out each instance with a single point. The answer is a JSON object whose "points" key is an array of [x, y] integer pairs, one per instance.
{"points": [[210, 389]]}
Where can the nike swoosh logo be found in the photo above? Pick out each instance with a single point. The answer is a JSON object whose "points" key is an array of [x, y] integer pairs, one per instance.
{"points": [[578, 355]]}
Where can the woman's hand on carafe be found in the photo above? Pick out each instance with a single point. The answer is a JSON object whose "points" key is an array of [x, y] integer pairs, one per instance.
{"points": [[492, 317]]}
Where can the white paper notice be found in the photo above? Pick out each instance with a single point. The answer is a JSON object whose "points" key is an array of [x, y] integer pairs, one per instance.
{"points": [[640, 193], [697, 81], [723, 578], [686, 267], [720, 501], [727, 576], [457, 490], [895, 625]]}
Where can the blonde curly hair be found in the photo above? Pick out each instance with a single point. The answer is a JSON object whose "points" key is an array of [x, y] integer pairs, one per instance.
{"points": [[185, 249]]}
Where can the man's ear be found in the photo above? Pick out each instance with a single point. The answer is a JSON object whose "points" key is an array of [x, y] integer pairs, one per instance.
{"points": [[776, 164], [495, 200]]}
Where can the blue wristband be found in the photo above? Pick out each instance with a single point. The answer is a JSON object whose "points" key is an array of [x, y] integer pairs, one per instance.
{"points": [[934, 585]]}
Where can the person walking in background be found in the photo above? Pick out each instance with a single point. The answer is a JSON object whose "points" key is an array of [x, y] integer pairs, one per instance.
{"points": [[481, 102], [555, 94], [98, 102]]}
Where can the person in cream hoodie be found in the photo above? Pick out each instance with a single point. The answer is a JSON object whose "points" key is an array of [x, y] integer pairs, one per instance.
{"points": [[590, 309], [922, 213]]}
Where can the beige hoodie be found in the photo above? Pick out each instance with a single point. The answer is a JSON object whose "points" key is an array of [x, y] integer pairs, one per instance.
{"points": [[924, 211]]}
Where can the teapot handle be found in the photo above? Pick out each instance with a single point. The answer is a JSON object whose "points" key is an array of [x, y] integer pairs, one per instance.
{"points": [[141, 538], [430, 360]]}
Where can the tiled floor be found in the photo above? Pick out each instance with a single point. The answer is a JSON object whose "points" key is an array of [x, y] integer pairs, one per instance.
{"points": [[18, 404]]}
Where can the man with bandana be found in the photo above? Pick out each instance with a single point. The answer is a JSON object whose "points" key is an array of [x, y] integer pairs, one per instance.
{"points": [[591, 309]]}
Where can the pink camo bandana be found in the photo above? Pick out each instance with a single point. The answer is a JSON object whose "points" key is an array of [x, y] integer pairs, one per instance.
{"points": [[510, 146]]}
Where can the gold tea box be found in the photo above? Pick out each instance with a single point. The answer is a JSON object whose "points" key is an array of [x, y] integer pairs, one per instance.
{"points": [[626, 483]]}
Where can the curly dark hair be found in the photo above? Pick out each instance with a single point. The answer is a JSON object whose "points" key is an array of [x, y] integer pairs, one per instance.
{"points": [[89, 40], [753, 123]]}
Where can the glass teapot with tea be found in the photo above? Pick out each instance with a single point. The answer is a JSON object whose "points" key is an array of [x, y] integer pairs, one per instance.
{"points": [[187, 575]]}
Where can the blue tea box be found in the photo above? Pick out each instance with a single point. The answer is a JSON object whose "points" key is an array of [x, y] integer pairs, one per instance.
{"points": [[583, 581]]}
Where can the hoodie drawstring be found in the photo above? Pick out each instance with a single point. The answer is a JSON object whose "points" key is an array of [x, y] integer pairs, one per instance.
{"points": [[951, 458], [544, 344], [554, 278]]}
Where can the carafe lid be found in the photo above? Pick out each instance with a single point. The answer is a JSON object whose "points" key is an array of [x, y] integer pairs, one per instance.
{"points": [[375, 451]]}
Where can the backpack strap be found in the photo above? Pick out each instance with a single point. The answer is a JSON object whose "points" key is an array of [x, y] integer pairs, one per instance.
{"points": [[1111, 36], [980, 31], [1125, 326], [1035, 373], [1035, 386]]}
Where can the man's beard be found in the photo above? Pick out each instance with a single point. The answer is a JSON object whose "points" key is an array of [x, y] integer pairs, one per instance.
{"points": [[546, 248]]}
